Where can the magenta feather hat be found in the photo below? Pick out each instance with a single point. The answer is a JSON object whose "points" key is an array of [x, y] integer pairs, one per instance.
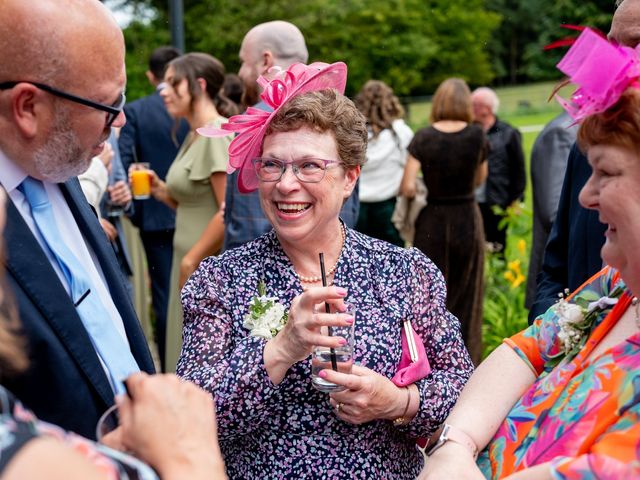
{"points": [[250, 127]]}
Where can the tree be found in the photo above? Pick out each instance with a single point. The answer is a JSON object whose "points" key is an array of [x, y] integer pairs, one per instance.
{"points": [[527, 26], [410, 44]]}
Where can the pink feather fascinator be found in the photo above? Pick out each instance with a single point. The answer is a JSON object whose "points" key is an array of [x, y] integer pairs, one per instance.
{"points": [[250, 127], [602, 71]]}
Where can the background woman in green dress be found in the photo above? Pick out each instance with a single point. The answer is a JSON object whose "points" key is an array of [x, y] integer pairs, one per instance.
{"points": [[196, 181]]}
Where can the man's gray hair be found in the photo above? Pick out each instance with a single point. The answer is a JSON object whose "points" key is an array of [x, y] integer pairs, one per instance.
{"points": [[284, 40], [488, 97], [618, 3]]}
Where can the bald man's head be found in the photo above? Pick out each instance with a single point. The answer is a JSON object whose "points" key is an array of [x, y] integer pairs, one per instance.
{"points": [[269, 44], [625, 26], [70, 45], [49, 39]]}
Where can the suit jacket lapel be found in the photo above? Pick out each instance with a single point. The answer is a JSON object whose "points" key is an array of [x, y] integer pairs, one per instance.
{"points": [[105, 255], [30, 267]]}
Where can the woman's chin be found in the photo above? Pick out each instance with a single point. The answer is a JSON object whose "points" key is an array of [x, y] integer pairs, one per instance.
{"points": [[611, 255]]}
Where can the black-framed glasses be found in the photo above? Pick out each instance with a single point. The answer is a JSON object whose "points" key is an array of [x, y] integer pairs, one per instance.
{"points": [[112, 110], [307, 170]]}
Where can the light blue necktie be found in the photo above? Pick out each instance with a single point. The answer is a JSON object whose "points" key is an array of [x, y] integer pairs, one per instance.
{"points": [[112, 348]]}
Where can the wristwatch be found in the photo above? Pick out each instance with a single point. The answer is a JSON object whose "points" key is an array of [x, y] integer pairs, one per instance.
{"points": [[453, 434]]}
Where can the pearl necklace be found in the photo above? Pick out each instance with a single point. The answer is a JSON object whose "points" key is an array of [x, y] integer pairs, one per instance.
{"points": [[330, 272]]}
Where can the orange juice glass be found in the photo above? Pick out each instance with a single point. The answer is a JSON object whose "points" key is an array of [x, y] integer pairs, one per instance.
{"points": [[140, 180]]}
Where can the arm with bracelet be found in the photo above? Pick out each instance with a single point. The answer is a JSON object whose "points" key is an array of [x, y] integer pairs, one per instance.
{"points": [[483, 404]]}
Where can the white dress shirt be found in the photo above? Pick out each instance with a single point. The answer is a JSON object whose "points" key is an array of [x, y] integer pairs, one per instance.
{"points": [[381, 175]]}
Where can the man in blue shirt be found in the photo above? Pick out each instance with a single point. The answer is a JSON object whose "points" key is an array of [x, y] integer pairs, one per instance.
{"points": [[271, 44]]}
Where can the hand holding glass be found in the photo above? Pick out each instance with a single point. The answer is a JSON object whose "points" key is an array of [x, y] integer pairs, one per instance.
{"points": [[140, 180], [321, 356]]}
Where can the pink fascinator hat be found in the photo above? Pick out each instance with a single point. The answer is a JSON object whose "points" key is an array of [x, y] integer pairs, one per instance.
{"points": [[601, 69], [250, 128]]}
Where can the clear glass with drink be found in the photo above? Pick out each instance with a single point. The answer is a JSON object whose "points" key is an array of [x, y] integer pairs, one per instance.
{"points": [[108, 422], [140, 180], [112, 209], [323, 357]]}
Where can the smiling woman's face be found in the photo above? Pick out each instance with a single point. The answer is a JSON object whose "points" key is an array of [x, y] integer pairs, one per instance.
{"points": [[298, 211], [614, 191]]}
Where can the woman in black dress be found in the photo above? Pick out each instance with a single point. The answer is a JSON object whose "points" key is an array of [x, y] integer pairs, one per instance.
{"points": [[451, 154]]}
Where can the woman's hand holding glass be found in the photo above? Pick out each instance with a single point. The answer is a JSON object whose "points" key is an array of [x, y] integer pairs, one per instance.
{"points": [[171, 425], [369, 396], [302, 332]]}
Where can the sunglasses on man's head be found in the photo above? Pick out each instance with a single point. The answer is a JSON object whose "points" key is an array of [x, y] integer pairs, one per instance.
{"points": [[112, 110]]}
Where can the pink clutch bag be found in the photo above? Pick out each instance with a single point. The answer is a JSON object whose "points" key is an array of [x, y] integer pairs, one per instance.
{"points": [[414, 364]]}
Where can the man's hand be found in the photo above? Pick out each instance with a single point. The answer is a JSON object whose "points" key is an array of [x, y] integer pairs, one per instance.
{"points": [[119, 193], [109, 229]]}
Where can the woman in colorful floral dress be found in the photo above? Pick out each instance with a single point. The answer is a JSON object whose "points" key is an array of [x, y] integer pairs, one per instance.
{"points": [[305, 158], [561, 399]]}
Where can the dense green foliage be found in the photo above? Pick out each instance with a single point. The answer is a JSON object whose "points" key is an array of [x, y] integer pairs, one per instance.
{"points": [[410, 44], [505, 281], [527, 26]]}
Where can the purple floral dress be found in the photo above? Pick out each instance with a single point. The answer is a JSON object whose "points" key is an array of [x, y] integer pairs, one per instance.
{"points": [[290, 430]]}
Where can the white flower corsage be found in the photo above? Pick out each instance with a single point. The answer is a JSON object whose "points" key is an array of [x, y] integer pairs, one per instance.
{"points": [[266, 316], [577, 318], [571, 320]]}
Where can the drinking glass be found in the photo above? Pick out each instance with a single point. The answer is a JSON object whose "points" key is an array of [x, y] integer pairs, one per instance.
{"points": [[108, 422], [140, 180], [321, 357], [112, 209]]}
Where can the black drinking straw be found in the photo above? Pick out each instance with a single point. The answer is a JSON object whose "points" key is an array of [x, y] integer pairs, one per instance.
{"points": [[334, 361]]}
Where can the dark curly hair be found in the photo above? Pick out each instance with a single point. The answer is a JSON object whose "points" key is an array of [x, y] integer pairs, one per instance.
{"points": [[379, 105]]}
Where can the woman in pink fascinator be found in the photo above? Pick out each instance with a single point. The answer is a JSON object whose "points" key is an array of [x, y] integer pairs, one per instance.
{"points": [[315, 304], [561, 399]]}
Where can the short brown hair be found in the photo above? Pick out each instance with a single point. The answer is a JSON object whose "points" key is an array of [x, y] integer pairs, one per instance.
{"points": [[326, 111], [619, 125], [452, 101]]}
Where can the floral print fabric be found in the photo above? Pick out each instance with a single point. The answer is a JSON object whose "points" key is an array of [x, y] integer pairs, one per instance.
{"points": [[290, 430], [18, 426], [583, 414]]}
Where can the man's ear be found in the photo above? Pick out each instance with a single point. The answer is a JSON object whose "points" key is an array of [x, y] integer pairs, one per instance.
{"points": [[29, 107], [268, 61], [152, 78]]}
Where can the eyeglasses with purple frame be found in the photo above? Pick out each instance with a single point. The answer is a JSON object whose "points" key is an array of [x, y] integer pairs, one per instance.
{"points": [[307, 170]]}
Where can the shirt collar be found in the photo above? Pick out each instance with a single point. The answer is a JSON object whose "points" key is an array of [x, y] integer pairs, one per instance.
{"points": [[11, 174]]}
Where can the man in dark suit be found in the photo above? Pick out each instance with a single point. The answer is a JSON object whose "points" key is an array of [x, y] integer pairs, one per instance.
{"points": [[150, 135], [59, 96], [572, 254], [507, 178], [548, 164]]}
